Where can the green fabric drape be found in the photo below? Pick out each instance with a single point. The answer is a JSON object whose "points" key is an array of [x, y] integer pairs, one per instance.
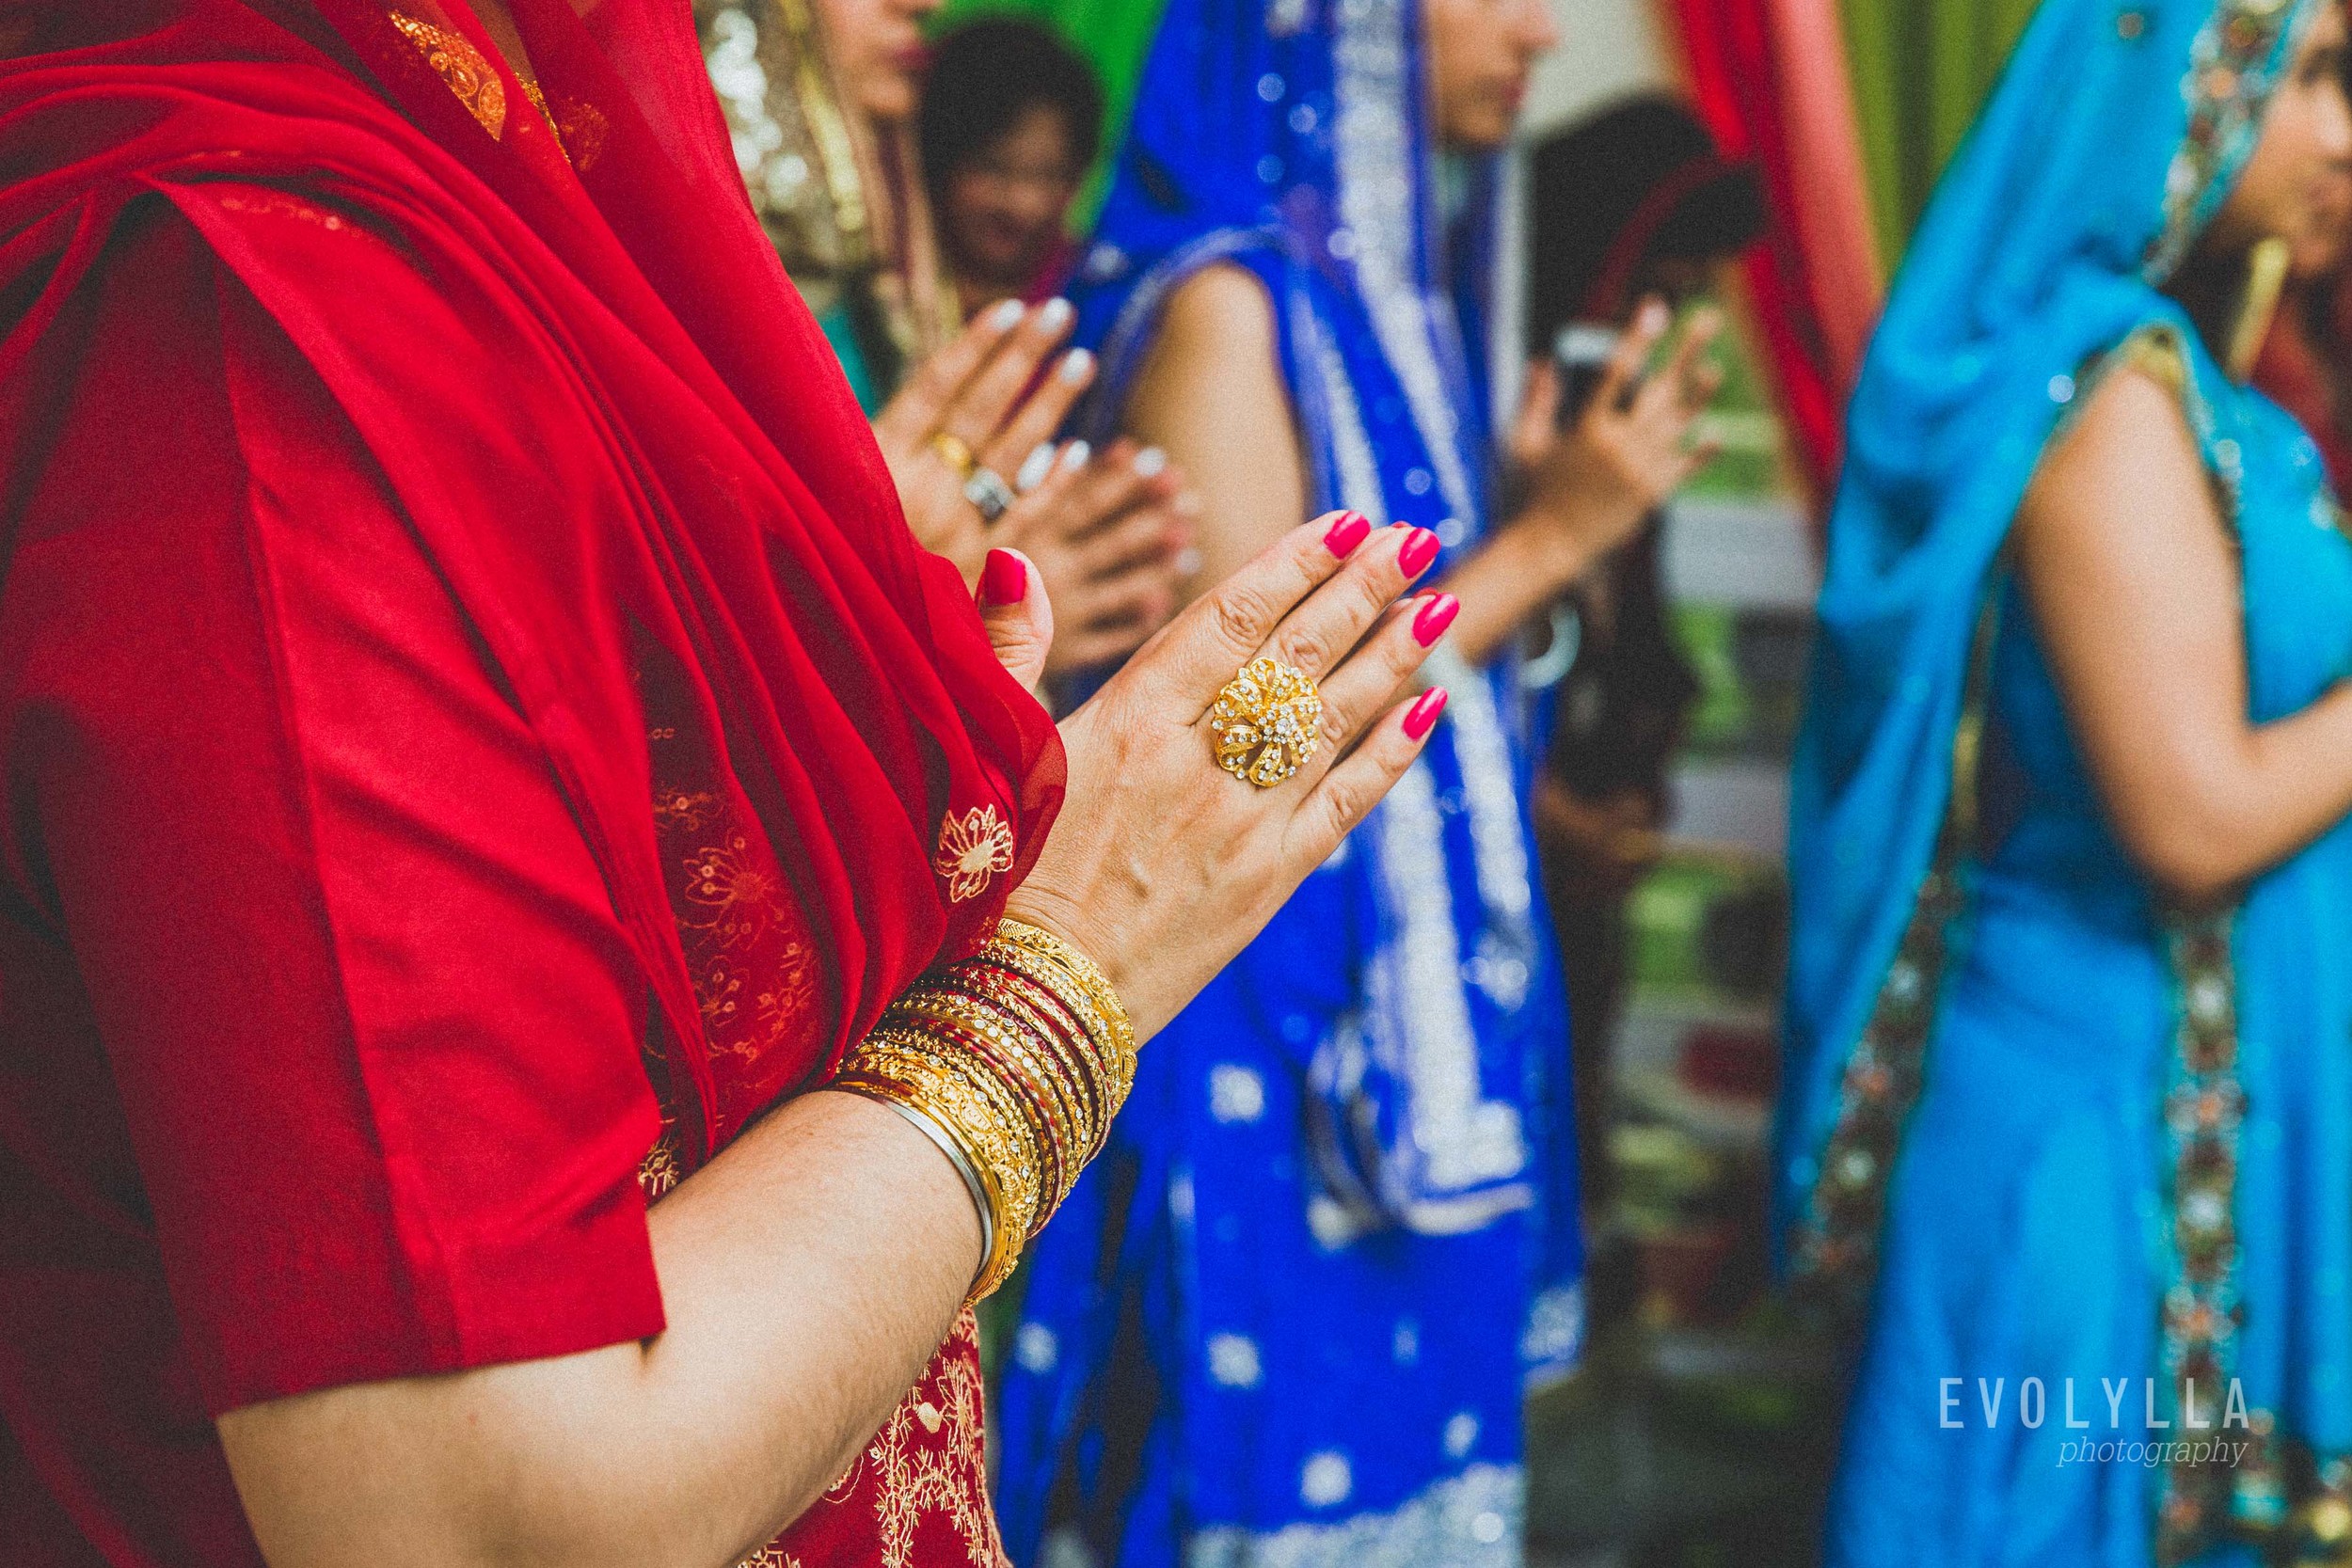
{"points": [[1920, 69], [1114, 35]]}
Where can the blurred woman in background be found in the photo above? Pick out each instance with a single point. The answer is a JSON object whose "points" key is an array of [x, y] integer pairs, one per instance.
{"points": [[2067, 1116], [1293, 1320], [1011, 121], [1631, 205], [820, 98]]}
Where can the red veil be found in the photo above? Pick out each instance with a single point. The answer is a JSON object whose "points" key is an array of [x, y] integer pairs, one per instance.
{"points": [[610, 419]]}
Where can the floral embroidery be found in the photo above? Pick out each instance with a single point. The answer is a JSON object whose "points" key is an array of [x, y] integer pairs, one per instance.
{"points": [[679, 811], [915, 1477], [2232, 66], [737, 885], [770, 1556], [972, 848], [459, 64], [658, 1171]]}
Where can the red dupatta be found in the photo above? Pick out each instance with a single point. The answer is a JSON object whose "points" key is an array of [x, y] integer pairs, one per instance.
{"points": [[616, 431]]}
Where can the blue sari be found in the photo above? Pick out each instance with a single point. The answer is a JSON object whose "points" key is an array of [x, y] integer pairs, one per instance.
{"points": [[2079, 1162], [1289, 1316]]}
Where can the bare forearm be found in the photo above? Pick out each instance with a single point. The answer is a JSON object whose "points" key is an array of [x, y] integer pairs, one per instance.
{"points": [[2241, 804], [808, 1275]]}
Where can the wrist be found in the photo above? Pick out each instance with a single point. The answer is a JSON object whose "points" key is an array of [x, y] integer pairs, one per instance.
{"points": [[1547, 541]]}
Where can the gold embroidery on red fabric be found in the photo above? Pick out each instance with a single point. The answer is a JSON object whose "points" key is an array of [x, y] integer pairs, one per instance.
{"points": [[677, 811], [972, 848], [912, 1478], [658, 1171], [283, 206], [581, 127], [770, 1556], [730, 880], [459, 64]]}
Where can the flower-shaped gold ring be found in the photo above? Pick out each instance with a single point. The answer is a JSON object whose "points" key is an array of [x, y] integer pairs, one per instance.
{"points": [[1266, 722]]}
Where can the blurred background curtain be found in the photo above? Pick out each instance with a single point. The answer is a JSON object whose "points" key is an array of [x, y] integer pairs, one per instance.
{"points": [[1769, 77], [1920, 69]]}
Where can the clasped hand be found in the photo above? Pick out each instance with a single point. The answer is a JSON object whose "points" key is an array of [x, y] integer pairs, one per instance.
{"points": [[1160, 867]]}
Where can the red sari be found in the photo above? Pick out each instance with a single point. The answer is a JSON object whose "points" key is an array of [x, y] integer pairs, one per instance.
{"points": [[476, 733]]}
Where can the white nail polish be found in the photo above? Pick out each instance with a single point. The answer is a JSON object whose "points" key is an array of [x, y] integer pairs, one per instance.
{"points": [[1034, 468], [1187, 562], [1077, 366], [1150, 461], [1074, 455], [1056, 314], [1006, 315]]}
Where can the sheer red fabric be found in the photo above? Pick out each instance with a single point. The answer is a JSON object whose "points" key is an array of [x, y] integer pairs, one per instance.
{"points": [[699, 474], [384, 482]]}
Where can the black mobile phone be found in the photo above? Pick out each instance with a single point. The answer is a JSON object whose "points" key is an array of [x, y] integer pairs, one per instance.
{"points": [[1581, 352]]}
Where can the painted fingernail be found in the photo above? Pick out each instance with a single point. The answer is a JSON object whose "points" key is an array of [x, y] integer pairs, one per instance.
{"points": [[1076, 365], [1007, 316], [1034, 467], [1654, 316], [1187, 562], [1075, 454], [1054, 315], [1346, 531], [1003, 580], [1150, 461], [1419, 549], [1422, 715], [1434, 617]]}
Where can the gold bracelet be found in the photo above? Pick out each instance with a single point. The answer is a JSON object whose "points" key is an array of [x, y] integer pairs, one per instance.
{"points": [[1013, 1063], [1000, 1049], [1073, 979]]}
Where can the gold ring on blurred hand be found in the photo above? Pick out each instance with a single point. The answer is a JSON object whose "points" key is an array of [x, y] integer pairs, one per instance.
{"points": [[1266, 722], [954, 453]]}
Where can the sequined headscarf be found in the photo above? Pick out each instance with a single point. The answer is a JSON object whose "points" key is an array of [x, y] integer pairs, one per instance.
{"points": [[839, 194]]}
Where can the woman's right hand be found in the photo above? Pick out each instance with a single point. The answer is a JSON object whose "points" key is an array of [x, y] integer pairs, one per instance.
{"points": [[1589, 487], [1161, 867], [982, 388]]}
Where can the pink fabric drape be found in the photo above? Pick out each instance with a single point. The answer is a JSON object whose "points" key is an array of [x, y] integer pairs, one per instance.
{"points": [[1769, 76]]}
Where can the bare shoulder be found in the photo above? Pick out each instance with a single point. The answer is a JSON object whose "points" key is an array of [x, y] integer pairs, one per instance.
{"points": [[1220, 303], [2131, 440]]}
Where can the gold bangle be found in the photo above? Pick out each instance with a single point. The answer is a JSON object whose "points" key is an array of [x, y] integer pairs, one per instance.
{"points": [[999, 1249], [1037, 1009], [1014, 1064], [1000, 1050], [902, 1064], [1046, 960]]}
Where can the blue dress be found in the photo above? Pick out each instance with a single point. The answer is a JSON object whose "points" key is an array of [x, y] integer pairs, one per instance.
{"points": [[2080, 1164], [1289, 1316]]}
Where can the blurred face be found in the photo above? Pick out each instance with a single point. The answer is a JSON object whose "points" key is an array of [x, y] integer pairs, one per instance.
{"points": [[1003, 209], [1480, 54], [878, 48], [2298, 182]]}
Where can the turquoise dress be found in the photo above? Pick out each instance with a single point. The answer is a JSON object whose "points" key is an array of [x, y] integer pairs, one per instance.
{"points": [[2074, 1164]]}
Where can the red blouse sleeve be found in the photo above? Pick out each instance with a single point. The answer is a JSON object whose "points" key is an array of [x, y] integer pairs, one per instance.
{"points": [[361, 991]]}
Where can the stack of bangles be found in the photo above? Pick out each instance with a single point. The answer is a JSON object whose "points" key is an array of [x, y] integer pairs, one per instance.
{"points": [[1013, 1062]]}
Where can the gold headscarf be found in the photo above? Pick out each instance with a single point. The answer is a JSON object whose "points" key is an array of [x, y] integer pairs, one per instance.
{"points": [[841, 198]]}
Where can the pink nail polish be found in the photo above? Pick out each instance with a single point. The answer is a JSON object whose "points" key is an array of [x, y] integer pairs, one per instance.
{"points": [[1005, 580], [1419, 550], [1346, 532], [1422, 715], [1434, 617]]}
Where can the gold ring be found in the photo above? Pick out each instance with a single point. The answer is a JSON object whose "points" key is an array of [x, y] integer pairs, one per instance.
{"points": [[954, 453], [1266, 722]]}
